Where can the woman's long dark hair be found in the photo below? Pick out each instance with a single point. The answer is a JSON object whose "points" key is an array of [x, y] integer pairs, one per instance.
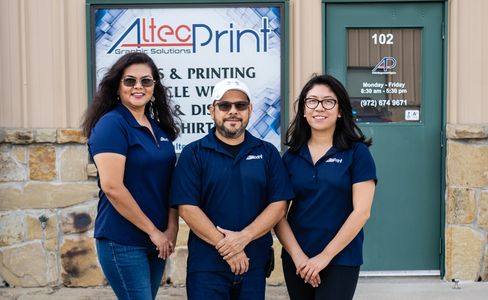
{"points": [[346, 131], [106, 97]]}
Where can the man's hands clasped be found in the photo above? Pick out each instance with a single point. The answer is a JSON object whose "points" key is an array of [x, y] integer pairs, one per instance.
{"points": [[231, 248]]}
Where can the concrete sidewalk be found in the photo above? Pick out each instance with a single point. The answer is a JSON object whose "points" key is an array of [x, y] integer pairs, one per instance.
{"points": [[368, 289], [405, 288]]}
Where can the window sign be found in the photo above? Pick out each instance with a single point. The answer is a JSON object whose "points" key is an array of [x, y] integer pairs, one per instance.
{"points": [[195, 46], [383, 74]]}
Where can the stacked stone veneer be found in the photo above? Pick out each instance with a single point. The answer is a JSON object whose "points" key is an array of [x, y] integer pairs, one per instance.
{"points": [[45, 175], [466, 233]]}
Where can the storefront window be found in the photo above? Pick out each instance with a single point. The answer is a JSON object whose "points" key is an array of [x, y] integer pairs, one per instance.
{"points": [[383, 74]]}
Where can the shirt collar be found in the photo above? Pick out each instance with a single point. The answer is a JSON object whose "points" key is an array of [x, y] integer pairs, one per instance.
{"points": [[125, 112], [210, 141], [304, 152]]}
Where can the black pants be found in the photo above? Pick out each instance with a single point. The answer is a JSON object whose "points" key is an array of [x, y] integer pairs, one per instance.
{"points": [[337, 283]]}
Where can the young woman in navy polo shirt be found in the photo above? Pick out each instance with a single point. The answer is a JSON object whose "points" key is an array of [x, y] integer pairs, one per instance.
{"points": [[130, 127], [333, 176]]}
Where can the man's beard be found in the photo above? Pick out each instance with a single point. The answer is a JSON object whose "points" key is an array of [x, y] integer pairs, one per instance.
{"points": [[232, 133]]}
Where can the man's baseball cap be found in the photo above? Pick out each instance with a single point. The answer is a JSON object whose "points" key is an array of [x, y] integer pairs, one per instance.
{"points": [[229, 84]]}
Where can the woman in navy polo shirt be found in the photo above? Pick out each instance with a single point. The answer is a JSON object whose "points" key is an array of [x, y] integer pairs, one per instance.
{"points": [[130, 128], [333, 176]]}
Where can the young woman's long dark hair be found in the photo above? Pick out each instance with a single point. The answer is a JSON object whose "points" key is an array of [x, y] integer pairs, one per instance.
{"points": [[106, 97], [346, 131]]}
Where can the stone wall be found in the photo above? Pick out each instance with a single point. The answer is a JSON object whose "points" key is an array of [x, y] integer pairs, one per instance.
{"points": [[47, 209], [48, 201], [466, 232]]}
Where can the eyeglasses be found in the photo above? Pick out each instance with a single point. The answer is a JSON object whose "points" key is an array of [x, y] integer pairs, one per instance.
{"points": [[131, 82], [327, 104], [226, 105]]}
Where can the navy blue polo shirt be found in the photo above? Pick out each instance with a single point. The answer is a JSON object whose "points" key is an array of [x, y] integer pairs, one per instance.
{"points": [[232, 192], [324, 198], [148, 168]]}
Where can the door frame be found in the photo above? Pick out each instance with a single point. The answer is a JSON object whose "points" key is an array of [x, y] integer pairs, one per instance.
{"points": [[444, 68]]}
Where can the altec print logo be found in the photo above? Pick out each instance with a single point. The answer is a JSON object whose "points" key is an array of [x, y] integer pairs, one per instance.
{"points": [[385, 66], [334, 160], [252, 157], [147, 33]]}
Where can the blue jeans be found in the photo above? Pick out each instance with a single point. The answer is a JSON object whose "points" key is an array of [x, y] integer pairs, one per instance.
{"points": [[220, 285], [133, 272]]}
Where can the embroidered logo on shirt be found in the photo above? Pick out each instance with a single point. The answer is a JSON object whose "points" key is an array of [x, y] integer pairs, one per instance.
{"points": [[334, 160], [163, 139], [250, 157]]}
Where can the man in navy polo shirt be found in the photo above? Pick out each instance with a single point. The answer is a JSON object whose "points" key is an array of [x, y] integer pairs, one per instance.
{"points": [[231, 189]]}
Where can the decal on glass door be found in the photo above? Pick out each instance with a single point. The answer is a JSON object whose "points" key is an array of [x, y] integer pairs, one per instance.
{"points": [[383, 74]]}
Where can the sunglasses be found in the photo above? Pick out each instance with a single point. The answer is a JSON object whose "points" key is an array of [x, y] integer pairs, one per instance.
{"points": [[226, 105], [131, 82]]}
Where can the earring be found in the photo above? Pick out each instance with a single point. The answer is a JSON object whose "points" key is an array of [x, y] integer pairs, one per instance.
{"points": [[151, 108], [152, 99]]}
